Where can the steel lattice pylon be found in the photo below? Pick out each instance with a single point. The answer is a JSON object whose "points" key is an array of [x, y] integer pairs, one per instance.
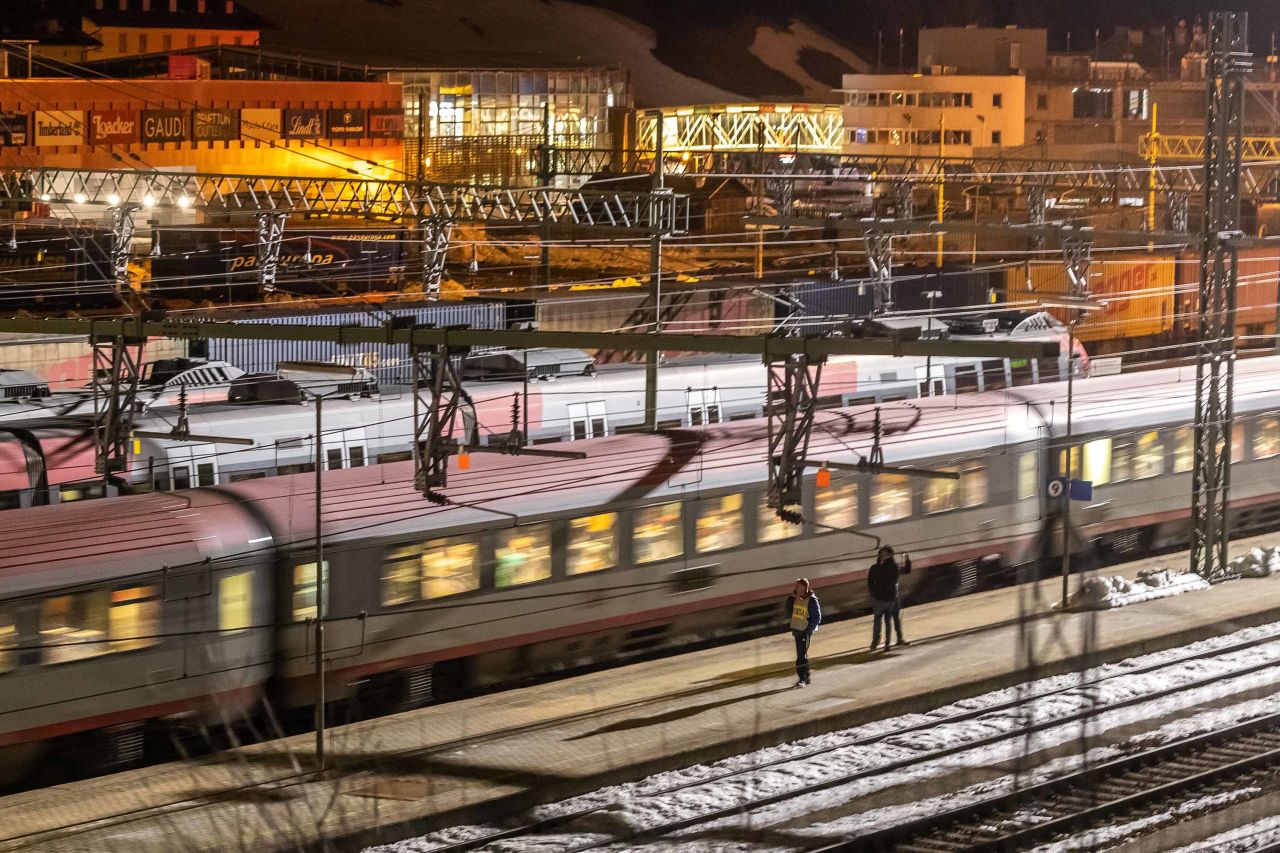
{"points": [[793, 393], [1215, 357]]}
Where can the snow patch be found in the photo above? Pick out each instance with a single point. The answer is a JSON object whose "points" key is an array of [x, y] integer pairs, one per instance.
{"points": [[1258, 563], [780, 50], [1105, 593], [1242, 839]]}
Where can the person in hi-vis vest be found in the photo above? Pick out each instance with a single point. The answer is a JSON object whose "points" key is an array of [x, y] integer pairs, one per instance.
{"points": [[806, 615]]}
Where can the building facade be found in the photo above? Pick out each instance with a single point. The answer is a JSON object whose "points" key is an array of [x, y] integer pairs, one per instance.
{"points": [[220, 126]]}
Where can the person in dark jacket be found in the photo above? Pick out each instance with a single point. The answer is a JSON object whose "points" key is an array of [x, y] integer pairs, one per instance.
{"points": [[882, 583], [805, 615]]}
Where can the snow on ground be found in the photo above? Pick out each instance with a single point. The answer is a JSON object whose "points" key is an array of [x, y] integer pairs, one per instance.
{"points": [[1242, 839], [876, 747], [1103, 593], [1108, 835], [780, 50]]}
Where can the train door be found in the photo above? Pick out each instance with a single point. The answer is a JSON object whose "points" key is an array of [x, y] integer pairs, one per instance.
{"points": [[587, 420], [192, 465], [703, 406], [932, 380], [355, 445]]}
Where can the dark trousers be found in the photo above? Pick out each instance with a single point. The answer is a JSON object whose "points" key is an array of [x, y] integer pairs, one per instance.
{"points": [[802, 654], [885, 611]]}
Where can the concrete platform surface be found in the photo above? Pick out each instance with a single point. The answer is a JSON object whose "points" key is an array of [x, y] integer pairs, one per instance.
{"points": [[481, 758]]}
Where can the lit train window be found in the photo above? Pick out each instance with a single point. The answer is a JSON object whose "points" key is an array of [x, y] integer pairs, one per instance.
{"points": [[449, 567], [1121, 460], [235, 602], [1097, 462], [523, 555], [304, 590], [1266, 437], [1148, 456], [8, 642], [890, 498], [1237, 443], [401, 581], [1184, 442], [836, 506], [719, 524], [74, 627], [941, 495], [973, 484], [1074, 470], [1028, 482], [659, 533], [770, 528], [593, 543], [134, 619]]}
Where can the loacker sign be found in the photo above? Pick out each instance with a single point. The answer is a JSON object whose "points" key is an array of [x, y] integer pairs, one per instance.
{"points": [[113, 127]]}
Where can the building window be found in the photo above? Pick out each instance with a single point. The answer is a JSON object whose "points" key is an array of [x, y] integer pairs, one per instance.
{"points": [[167, 41], [997, 100], [593, 543], [1088, 102], [235, 602], [191, 41], [659, 533], [142, 42], [1042, 102], [523, 555], [201, 6], [719, 524], [890, 498], [124, 43], [996, 137]]}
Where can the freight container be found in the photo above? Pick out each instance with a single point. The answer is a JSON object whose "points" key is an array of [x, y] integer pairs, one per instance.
{"points": [[390, 363], [221, 265], [1256, 293], [1136, 292]]}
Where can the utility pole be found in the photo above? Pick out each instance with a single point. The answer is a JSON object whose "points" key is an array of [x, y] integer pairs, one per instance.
{"points": [[942, 180], [321, 583], [1228, 63], [655, 289]]}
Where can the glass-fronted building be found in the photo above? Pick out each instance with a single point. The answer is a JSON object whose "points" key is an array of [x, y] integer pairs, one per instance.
{"points": [[485, 124]]}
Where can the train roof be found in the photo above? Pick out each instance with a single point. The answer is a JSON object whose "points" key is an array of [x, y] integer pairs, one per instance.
{"points": [[48, 544]]}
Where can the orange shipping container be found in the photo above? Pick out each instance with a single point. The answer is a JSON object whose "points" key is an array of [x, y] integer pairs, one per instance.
{"points": [[1256, 290], [1137, 292]]}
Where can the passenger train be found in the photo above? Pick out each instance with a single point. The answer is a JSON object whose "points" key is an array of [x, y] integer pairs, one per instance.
{"points": [[119, 618], [47, 461]]}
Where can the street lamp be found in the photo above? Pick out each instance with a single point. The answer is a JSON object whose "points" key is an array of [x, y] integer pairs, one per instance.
{"points": [[319, 381], [1078, 307]]}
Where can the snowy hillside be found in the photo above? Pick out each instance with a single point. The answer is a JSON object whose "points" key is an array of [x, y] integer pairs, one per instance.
{"points": [[747, 60]]}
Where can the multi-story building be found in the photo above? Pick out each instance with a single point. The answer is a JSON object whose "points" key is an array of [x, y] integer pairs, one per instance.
{"points": [[129, 27]]}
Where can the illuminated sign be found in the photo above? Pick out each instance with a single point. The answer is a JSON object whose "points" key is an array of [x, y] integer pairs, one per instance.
{"points": [[260, 124], [211, 125], [113, 127], [164, 126], [347, 124], [303, 124], [59, 127], [384, 123], [13, 129]]}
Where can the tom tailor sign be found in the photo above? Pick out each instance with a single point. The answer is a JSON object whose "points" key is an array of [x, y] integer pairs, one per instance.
{"points": [[59, 127], [303, 124], [347, 124], [209, 125], [164, 126], [113, 127]]}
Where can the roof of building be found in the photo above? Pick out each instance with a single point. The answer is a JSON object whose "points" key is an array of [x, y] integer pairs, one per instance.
{"points": [[175, 14], [46, 21]]}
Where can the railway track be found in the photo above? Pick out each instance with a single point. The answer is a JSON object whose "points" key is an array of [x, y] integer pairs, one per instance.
{"points": [[563, 821], [1145, 784]]}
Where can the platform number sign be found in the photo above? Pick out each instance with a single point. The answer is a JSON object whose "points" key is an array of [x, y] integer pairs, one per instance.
{"points": [[1078, 490]]}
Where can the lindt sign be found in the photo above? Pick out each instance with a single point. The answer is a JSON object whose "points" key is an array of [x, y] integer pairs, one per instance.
{"points": [[113, 127], [303, 124]]}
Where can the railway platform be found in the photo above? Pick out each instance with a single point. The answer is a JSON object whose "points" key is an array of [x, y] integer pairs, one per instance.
{"points": [[482, 758]]}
